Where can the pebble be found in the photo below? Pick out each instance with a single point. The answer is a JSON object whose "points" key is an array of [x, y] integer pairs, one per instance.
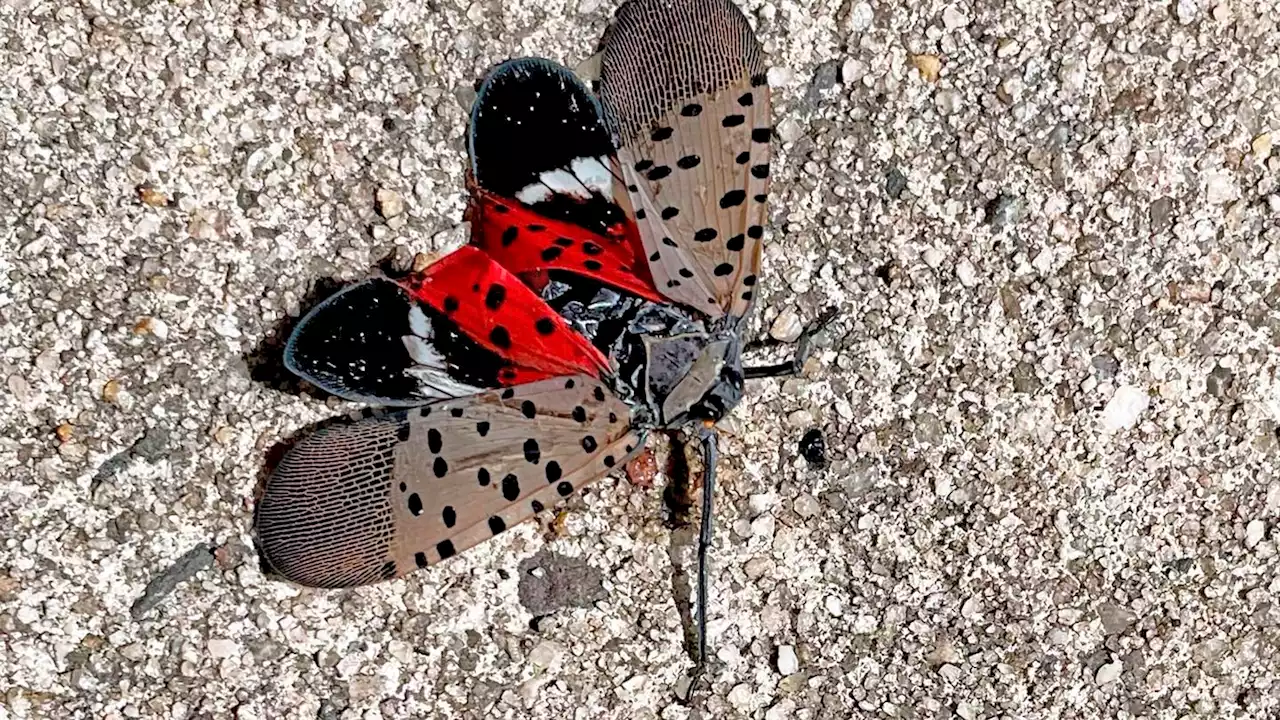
{"points": [[741, 697], [800, 418], [1186, 11], [758, 567], [947, 101], [761, 503], [111, 391], [220, 648], [789, 130], [1124, 408], [1108, 673], [929, 66], [1261, 146], [813, 448], [786, 327], [1115, 619], [780, 77], [894, 183], [785, 709], [788, 663], [1254, 532], [966, 274], [1220, 187], [389, 202], [861, 17], [953, 19], [950, 673], [1219, 381], [1005, 210], [806, 505], [852, 71], [546, 654]]}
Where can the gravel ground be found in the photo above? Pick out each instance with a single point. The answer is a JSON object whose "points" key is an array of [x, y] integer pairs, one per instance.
{"points": [[1050, 400]]}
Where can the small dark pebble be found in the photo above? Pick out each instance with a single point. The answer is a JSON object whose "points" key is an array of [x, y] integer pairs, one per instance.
{"points": [[825, 77], [151, 446], [1004, 210], [813, 448], [895, 182], [195, 560], [1219, 381]]}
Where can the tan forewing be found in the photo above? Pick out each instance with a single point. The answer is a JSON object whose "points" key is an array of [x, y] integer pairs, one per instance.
{"points": [[368, 501], [683, 82]]}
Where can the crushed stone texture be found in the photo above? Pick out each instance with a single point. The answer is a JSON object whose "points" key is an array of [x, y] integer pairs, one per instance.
{"points": [[1076, 200]]}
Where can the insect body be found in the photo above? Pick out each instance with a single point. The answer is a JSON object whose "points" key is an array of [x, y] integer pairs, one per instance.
{"points": [[615, 252]]}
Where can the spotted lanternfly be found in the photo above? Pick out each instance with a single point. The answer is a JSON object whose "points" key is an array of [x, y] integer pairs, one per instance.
{"points": [[615, 254]]}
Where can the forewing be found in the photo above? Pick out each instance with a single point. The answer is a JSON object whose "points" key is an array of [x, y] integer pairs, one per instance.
{"points": [[500, 313], [372, 342], [683, 83], [371, 500]]}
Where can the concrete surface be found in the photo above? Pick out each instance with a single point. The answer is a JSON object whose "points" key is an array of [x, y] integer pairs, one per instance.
{"points": [[1050, 402]]}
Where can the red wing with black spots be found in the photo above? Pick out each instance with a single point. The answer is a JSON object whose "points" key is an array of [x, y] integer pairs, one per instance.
{"points": [[501, 314]]}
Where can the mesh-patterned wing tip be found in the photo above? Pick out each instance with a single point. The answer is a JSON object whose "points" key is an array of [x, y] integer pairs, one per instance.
{"points": [[359, 503]]}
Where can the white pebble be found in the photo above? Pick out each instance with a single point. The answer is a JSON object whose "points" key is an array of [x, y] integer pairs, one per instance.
{"points": [[952, 18], [1220, 187], [761, 503], [788, 663], [861, 16], [1187, 10], [789, 130], [852, 70], [943, 486], [948, 101], [390, 203], [786, 327], [806, 505], [784, 710], [546, 654], [834, 607], [933, 257], [1124, 408], [741, 697], [780, 77], [222, 648], [800, 418], [1108, 673], [966, 274], [1254, 532], [950, 673]]}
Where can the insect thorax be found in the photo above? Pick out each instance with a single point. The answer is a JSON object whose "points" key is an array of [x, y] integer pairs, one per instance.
{"points": [[667, 360]]}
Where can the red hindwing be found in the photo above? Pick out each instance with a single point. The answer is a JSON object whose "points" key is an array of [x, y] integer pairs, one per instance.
{"points": [[498, 311], [525, 243]]}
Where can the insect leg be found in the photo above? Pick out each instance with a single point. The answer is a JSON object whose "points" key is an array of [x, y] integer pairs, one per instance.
{"points": [[708, 437], [804, 346]]}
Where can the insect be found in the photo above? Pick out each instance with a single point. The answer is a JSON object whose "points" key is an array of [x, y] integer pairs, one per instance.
{"points": [[615, 254]]}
